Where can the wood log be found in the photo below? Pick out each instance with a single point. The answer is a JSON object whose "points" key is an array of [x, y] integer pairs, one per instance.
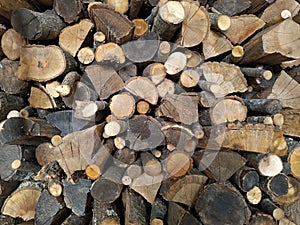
{"points": [[125, 157], [68, 10], [258, 6], [135, 208], [246, 178], [270, 46], [108, 187], [219, 22], [265, 106], [134, 9], [242, 27], [151, 165], [115, 128], [141, 27], [49, 210], [270, 165], [44, 153], [168, 20], [86, 55], [294, 157], [106, 18], [166, 87], [290, 210], [119, 6], [267, 120], [109, 52], [37, 26], [178, 215], [293, 194], [143, 133], [257, 73], [11, 160], [105, 213], [34, 131], [9, 102], [163, 51], [98, 39], [191, 33], [105, 80], [158, 212], [22, 203], [188, 186], [254, 196], [214, 214], [236, 55], [75, 195], [272, 209], [179, 108], [122, 106], [175, 63], [134, 170], [79, 220], [177, 164], [6, 188], [286, 89], [291, 122], [230, 7], [127, 71], [87, 110], [11, 43], [189, 78], [7, 8], [68, 84], [156, 72], [40, 98], [276, 185], [275, 12], [143, 107]]}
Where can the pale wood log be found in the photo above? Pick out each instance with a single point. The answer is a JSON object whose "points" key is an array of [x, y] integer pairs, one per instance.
{"points": [[258, 6], [69, 10], [135, 169], [257, 73], [246, 178], [142, 107], [286, 89], [236, 55], [219, 21], [122, 106], [120, 6], [163, 51], [270, 165], [294, 158], [110, 52], [39, 99], [68, 86], [254, 196], [175, 63], [166, 87], [44, 153], [87, 110], [177, 164], [189, 78], [242, 27], [86, 55], [115, 128], [141, 27], [272, 209], [156, 72], [98, 39], [51, 88], [11, 43], [168, 20], [151, 165], [37, 26], [194, 60], [231, 7], [291, 122], [55, 189]]}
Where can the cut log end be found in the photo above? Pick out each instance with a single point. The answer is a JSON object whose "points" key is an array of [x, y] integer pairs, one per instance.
{"points": [[237, 51], [56, 140], [86, 55], [172, 12], [93, 171], [285, 14], [55, 189], [224, 22], [16, 164], [63, 89], [254, 196], [270, 165]]}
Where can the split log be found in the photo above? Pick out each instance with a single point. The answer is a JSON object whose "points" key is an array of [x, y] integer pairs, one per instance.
{"points": [[274, 13], [109, 52], [135, 7], [49, 210], [231, 7], [116, 26], [147, 186], [40, 99], [7, 8], [75, 195], [242, 27], [286, 89], [158, 212], [105, 80], [179, 108], [178, 215], [78, 220], [294, 159], [43, 63], [168, 20], [9, 102], [291, 122], [72, 37], [122, 106], [108, 187], [175, 63], [191, 33], [142, 50], [229, 77], [184, 190], [6, 188], [127, 71], [293, 194], [228, 110], [51, 88], [68, 10], [265, 106], [166, 87], [10, 161], [219, 22], [215, 44], [156, 72], [207, 99], [34, 131], [119, 6], [223, 199], [189, 78], [143, 133], [87, 110], [22, 203], [135, 208], [274, 45], [272, 209], [105, 213], [125, 157], [11, 43], [177, 164], [141, 28], [37, 26]]}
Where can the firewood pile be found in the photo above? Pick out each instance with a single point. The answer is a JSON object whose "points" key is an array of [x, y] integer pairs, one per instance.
{"points": [[150, 112]]}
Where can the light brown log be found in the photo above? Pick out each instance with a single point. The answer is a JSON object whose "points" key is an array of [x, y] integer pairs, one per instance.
{"points": [[122, 106], [141, 27], [114, 128], [142, 107], [56, 140], [175, 63], [71, 37], [177, 164], [110, 52], [119, 6], [194, 60], [86, 55], [294, 159], [189, 78], [211, 87], [156, 72], [151, 165], [11, 44], [40, 99], [219, 21], [51, 88], [168, 19], [119, 142], [215, 44], [68, 85], [134, 170], [163, 51], [166, 87], [55, 189], [93, 171], [191, 33]]}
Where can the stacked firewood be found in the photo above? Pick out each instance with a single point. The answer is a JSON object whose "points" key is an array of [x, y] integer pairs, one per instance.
{"points": [[150, 112]]}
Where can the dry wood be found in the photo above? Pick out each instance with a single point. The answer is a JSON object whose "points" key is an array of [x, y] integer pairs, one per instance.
{"points": [[151, 165], [98, 39], [236, 56], [93, 171], [158, 212], [184, 190], [110, 52], [265, 106], [272, 209], [147, 186], [276, 12], [211, 87], [243, 27], [219, 21], [135, 7], [87, 109], [86, 55], [231, 7], [260, 219], [177, 164], [163, 51], [105, 213], [68, 84], [72, 37], [122, 106], [258, 6], [75, 195], [166, 87], [22, 203], [276, 185], [39, 99], [119, 142], [56, 140], [141, 27], [115, 127], [125, 157], [291, 211], [37, 26], [9, 102], [274, 45], [194, 60], [105, 80], [120, 6], [207, 99], [291, 122], [68, 10], [55, 189], [6, 188], [191, 33], [175, 63], [189, 78], [7, 7], [135, 208], [11, 44], [257, 73], [116, 26], [223, 199], [78, 220], [168, 20], [215, 44], [51, 88], [294, 158], [142, 107], [134, 170], [254, 196], [286, 89], [128, 71], [179, 108], [156, 72], [270, 165]]}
